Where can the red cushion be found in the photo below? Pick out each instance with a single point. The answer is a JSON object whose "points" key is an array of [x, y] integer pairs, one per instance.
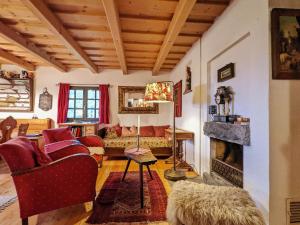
{"points": [[19, 154], [57, 134], [147, 131], [118, 129], [159, 131], [42, 157]]}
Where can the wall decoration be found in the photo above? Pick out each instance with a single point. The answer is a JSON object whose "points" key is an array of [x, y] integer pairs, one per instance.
{"points": [[188, 79], [16, 94], [131, 101], [285, 43], [178, 98], [226, 72], [45, 100]]}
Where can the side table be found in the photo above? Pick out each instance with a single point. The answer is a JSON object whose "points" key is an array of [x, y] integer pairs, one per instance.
{"points": [[181, 136]]}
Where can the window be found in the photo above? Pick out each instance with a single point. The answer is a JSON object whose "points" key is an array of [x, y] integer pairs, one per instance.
{"points": [[83, 104]]}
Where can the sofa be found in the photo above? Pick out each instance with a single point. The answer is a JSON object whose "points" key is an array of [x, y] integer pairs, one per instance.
{"points": [[152, 136]]}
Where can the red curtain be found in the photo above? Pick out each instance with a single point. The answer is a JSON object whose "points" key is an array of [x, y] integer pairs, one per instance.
{"points": [[63, 102], [178, 99], [104, 104]]}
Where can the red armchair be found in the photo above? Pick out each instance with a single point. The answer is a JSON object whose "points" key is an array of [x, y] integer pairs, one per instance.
{"points": [[61, 138], [51, 186]]}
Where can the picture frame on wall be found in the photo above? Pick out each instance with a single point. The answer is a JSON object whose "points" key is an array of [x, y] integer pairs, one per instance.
{"points": [[285, 32], [188, 78], [16, 94], [226, 73]]}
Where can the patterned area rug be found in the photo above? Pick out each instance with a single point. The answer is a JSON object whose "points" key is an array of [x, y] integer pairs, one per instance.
{"points": [[119, 202], [8, 193]]}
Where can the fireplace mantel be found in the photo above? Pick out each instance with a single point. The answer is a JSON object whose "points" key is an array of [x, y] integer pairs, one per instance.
{"points": [[235, 133]]}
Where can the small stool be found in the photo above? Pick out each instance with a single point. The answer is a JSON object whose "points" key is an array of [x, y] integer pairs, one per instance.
{"points": [[145, 159], [191, 203], [97, 153]]}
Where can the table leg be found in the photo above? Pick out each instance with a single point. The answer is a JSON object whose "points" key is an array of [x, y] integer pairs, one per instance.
{"points": [[149, 171], [141, 186], [127, 166]]}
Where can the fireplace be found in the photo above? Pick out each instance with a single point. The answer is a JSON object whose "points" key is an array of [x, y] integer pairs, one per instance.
{"points": [[227, 143], [227, 160]]}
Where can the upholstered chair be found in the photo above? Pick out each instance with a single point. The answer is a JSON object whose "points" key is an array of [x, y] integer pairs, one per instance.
{"points": [[44, 184], [60, 138]]}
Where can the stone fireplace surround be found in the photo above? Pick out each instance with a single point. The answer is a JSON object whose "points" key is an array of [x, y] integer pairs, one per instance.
{"points": [[227, 141]]}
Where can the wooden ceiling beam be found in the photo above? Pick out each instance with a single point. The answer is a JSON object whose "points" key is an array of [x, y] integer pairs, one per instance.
{"points": [[41, 10], [180, 16], [17, 39], [113, 19], [16, 60]]}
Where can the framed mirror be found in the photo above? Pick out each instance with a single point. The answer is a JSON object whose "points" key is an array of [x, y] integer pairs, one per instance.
{"points": [[131, 101]]}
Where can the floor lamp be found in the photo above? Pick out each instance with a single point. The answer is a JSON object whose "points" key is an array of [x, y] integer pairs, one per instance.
{"points": [[163, 92]]}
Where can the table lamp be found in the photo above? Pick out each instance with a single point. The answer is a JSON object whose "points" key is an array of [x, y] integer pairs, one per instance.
{"points": [[163, 92]]}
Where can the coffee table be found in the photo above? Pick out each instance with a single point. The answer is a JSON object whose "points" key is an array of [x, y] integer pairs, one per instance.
{"points": [[145, 159]]}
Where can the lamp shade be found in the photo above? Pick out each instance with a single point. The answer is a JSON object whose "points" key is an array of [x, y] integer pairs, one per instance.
{"points": [[159, 92]]}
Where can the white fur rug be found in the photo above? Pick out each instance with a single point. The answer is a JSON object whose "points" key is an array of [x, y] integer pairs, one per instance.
{"points": [[200, 204]]}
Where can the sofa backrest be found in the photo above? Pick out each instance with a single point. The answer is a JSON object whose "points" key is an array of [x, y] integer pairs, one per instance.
{"points": [[19, 154], [57, 134]]}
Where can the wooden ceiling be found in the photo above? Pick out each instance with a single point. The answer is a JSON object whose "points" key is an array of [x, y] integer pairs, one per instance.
{"points": [[98, 34]]}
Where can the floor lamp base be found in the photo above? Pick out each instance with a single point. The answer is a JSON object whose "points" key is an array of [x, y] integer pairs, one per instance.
{"points": [[174, 175]]}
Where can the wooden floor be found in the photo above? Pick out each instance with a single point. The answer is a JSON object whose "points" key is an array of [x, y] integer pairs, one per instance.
{"points": [[73, 215]]}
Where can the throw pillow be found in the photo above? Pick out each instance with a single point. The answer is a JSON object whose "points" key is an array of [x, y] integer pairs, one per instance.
{"points": [[102, 132], [133, 131], [118, 129], [159, 131], [126, 132], [147, 131], [111, 133]]}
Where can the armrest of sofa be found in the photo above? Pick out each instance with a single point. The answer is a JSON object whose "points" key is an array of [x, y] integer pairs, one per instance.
{"points": [[70, 180], [91, 141], [62, 149]]}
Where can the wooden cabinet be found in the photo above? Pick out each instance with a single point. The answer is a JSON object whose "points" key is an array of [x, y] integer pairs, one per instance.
{"points": [[81, 129], [36, 126]]}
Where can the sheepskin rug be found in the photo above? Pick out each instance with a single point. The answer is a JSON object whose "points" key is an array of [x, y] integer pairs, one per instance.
{"points": [[190, 203]]}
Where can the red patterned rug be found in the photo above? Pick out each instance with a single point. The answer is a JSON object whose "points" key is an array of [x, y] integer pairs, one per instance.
{"points": [[120, 201]]}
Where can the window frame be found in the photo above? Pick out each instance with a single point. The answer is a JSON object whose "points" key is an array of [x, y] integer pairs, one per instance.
{"points": [[85, 104]]}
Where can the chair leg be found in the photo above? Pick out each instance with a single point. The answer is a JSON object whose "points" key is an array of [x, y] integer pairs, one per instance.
{"points": [[94, 204], [25, 221]]}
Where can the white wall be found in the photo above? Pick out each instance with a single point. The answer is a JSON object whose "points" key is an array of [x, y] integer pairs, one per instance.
{"points": [[241, 36], [284, 138], [190, 119], [49, 77]]}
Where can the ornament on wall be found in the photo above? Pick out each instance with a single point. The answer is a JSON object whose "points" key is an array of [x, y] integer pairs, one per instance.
{"points": [[45, 101], [188, 79]]}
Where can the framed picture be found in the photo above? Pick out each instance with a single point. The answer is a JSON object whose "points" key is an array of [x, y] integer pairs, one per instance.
{"points": [[226, 72], [285, 44], [16, 95], [188, 79], [178, 99]]}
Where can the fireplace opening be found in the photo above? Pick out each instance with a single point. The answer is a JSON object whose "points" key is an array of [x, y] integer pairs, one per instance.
{"points": [[227, 161]]}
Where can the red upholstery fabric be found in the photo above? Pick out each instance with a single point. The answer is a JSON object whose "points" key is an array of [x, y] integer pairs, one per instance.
{"points": [[91, 141], [42, 157], [57, 134], [159, 131], [118, 129], [19, 154], [62, 183], [147, 131], [68, 181], [104, 110], [63, 102], [72, 149]]}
